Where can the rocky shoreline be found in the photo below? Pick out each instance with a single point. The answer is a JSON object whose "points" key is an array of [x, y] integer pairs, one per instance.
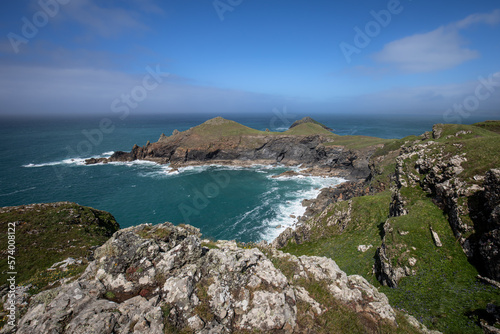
{"points": [[224, 142]]}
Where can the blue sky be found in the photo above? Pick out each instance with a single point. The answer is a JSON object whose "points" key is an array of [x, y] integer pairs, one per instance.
{"points": [[93, 57]]}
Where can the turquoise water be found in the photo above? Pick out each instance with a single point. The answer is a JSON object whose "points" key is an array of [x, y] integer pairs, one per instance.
{"points": [[42, 161]]}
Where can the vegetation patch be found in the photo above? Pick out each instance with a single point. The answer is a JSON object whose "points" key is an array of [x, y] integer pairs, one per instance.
{"points": [[49, 233], [47, 279], [444, 293], [367, 217], [356, 142], [203, 309]]}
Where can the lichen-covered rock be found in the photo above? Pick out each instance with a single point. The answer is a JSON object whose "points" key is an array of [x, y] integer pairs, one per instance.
{"points": [[353, 290], [150, 279], [390, 272]]}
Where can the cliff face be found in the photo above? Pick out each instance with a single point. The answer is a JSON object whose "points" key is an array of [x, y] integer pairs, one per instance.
{"points": [[163, 278], [227, 142], [424, 223]]}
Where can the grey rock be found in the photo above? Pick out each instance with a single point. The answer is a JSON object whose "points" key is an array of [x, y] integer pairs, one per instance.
{"points": [[147, 277]]}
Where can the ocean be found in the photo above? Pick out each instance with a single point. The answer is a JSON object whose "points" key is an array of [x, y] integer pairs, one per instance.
{"points": [[43, 161]]}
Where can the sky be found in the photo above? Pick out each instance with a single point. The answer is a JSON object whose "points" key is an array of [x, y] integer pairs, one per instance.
{"points": [[250, 56]]}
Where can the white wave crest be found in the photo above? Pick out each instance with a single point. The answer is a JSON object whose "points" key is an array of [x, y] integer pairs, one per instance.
{"points": [[293, 208]]}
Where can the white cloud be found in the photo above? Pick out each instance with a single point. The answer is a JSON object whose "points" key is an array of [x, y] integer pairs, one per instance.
{"points": [[436, 50], [90, 91], [490, 18], [435, 99], [106, 22]]}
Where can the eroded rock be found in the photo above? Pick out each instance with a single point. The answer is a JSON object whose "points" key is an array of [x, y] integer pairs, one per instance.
{"points": [[149, 278]]}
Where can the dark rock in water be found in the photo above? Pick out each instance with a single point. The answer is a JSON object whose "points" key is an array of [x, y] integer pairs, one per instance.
{"points": [[288, 173], [93, 161]]}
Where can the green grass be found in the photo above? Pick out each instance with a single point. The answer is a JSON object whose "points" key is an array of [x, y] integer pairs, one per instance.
{"points": [[356, 142], [44, 278], [45, 236], [444, 294], [369, 212], [481, 147], [220, 127], [444, 291], [393, 145], [308, 129], [489, 125], [338, 317]]}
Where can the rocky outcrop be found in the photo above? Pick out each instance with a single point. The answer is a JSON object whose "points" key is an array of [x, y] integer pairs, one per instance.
{"points": [[163, 278], [487, 223], [429, 165], [212, 142], [481, 239], [388, 270], [317, 209]]}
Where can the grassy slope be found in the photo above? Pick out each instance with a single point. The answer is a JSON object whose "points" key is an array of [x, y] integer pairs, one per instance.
{"points": [[364, 229], [223, 128], [444, 294], [481, 146], [357, 142], [220, 130], [308, 129], [493, 126], [48, 235], [338, 318]]}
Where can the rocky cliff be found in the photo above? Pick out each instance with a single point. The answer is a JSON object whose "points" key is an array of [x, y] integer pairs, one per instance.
{"points": [[425, 219], [163, 278], [221, 141]]}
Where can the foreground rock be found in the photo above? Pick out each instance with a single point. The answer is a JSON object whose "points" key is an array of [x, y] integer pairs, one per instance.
{"points": [[157, 279]]}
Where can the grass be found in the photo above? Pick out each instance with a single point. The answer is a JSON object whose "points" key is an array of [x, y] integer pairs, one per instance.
{"points": [[203, 309], [338, 317], [220, 127], [45, 279], [168, 326], [356, 142], [444, 294], [46, 235], [210, 244], [308, 129], [368, 213], [493, 126], [155, 233]]}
